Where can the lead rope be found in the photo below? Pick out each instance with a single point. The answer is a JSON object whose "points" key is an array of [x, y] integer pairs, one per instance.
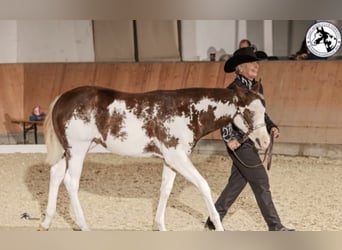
{"points": [[268, 156], [268, 153]]}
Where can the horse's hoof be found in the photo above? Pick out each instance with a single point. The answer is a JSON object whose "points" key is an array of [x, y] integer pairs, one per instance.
{"points": [[41, 228]]}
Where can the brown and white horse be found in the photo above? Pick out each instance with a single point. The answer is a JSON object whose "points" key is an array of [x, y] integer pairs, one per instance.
{"points": [[163, 123]]}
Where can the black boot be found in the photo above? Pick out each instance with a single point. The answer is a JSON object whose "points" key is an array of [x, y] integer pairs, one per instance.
{"points": [[281, 228]]}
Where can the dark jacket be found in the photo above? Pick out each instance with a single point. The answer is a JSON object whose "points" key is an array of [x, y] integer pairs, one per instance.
{"points": [[230, 131]]}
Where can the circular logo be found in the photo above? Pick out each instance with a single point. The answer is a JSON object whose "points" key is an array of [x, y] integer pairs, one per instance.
{"points": [[323, 39]]}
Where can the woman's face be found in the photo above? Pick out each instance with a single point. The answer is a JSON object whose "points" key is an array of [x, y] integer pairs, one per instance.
{"points": [[249, 70]]}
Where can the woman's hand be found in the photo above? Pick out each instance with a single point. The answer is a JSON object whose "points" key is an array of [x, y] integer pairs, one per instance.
{"points": [[233, 144]]}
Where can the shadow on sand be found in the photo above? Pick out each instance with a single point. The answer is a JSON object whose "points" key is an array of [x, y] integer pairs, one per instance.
{"points": [[126, 179]]}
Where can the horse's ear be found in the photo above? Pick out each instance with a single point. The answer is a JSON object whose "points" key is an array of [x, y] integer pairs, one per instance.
{"points": [[256, 86], [240, 95]]}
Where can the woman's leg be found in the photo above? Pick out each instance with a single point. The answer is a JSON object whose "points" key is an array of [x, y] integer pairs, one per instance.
{"points": [[234, 187], [258, 179]]}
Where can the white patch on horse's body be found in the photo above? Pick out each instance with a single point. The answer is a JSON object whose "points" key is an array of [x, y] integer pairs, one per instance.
{"points": [[179, 128], [117, 106], [203, 104], [167, 124], [88, 129], [132, 144], [223, 108]]}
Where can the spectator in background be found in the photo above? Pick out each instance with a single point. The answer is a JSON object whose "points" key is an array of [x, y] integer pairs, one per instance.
{"points": [[244, 43], [304, 53], [261, 55]]}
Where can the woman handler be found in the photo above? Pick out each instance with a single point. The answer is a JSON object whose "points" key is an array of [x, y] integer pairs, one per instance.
{"points": [[247, 166]]}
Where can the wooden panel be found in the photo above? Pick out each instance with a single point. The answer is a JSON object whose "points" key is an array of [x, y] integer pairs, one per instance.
{"points": [[42, 85], [11, 96], [76, 75], [303, 97], [140, 77]]}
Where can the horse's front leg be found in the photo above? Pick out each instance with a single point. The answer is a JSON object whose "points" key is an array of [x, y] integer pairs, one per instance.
{"points": [[168, 178], [57, 173], [183, 165]]}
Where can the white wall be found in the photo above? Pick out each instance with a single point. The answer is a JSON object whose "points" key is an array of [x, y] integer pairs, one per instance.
{"points": [[72, 40], [241, 30], [54, 41], [222, 36], [268, 37], [8, 41], [201, 37]]}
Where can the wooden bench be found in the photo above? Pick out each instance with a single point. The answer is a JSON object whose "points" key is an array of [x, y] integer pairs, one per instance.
{"points": [[27, 126]]}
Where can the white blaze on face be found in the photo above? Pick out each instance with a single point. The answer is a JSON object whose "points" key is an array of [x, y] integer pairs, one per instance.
{"points": [[259, 134], [240, 122]]}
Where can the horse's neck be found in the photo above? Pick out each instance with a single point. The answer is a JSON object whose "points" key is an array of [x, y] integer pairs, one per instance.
{"points": [[223, 115]]}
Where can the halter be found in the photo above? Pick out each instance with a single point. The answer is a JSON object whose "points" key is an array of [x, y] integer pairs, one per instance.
{"points": [[268, 153], [250, 128]]}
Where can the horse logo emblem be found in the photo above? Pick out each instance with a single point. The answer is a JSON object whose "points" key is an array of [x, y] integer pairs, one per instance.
{"points": [[323, 39]]}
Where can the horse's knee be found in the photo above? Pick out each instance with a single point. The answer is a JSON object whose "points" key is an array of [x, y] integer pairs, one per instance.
{"points": [[57, 171], [205, 188], [168, 178], [67, 182], [70, 184]]}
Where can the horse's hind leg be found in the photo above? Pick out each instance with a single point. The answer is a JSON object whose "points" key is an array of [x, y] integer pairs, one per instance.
{"points": [[57, 173], [72, 180], [168, 178]]}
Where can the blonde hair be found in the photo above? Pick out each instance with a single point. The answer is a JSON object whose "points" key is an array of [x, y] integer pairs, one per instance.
{"points": [[238, 71]]}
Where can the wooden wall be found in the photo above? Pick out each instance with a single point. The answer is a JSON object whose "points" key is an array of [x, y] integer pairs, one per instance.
{"points": [[11, 96], [302, 97]]}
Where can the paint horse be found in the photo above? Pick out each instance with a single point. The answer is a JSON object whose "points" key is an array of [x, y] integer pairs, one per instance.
{"points": [[162, 123]]}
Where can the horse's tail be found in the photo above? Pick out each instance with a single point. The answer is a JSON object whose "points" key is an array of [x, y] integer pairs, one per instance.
{"points": [[55, 150]]}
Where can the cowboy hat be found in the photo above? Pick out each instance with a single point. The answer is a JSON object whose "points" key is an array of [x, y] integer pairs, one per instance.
{"points": [[240, 56]]}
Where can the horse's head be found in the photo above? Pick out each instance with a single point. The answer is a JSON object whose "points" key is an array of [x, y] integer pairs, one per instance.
{"points": [[250, 115], [324, 37], [320, 36]]}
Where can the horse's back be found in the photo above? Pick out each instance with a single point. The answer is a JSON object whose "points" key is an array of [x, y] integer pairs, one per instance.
{"points": [[125, 123]]}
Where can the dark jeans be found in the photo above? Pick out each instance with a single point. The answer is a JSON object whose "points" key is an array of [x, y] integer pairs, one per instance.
{"points": [[256, 177]]}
